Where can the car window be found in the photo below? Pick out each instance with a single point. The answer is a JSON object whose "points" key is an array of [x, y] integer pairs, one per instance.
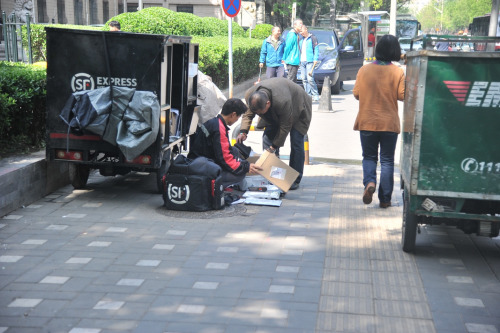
{"points": [[325, 37], [353, 39]]}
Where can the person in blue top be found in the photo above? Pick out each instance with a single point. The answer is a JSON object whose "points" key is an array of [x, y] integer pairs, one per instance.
{"points": [[291, 54], [272, 54], [309, 53]]}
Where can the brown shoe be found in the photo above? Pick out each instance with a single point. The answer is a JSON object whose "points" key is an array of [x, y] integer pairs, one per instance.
{"points": [[368, 193], [385, 204]]}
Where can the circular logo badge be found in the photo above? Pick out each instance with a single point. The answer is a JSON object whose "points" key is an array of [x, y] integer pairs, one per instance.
{"points": [[81, 82], [469, 165], [178, 194]]}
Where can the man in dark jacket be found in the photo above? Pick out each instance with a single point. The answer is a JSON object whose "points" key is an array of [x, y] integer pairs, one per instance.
{"points": [[212, 141], [286, 108]]}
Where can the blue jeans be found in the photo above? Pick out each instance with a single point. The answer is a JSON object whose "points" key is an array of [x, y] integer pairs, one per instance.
{"points": [[308, 81], [297, 153], [370, 141]]}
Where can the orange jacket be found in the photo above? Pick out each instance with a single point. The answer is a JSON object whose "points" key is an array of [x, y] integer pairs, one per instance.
{"points": [[378, 89]]}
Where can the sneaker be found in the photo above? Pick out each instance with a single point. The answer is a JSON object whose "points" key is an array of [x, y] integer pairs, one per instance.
{"points": [[368, 193], [294, 186], [385, 204]]}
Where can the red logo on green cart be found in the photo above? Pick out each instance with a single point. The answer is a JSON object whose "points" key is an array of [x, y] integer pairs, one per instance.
{"points": [[476, 94]]}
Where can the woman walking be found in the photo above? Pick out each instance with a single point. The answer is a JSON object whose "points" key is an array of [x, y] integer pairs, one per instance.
{"points": [[379, 85]]}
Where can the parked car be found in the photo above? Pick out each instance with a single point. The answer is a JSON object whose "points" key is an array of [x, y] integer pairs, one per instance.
{"points": [[340, 61]]}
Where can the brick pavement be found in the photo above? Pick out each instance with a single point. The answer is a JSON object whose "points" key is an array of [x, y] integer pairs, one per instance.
{"points": [[106, 260]]}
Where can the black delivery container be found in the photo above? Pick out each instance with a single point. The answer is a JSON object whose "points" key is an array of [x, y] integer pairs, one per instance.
{"points": [[163, 67]]}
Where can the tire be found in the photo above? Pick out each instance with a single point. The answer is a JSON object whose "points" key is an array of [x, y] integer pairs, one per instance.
{"points": [[78, 175], [409, 227], [336, 88]]}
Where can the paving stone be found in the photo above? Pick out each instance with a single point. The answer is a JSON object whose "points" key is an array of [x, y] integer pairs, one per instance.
{"points": [[34, 242], [108, 305], [130, 282], [480, 328], [76, 260], [459, 279], [190, 308], [25, 302], [55, 279], [206, 285], [281, 289], [463, 301], [6, 258]]}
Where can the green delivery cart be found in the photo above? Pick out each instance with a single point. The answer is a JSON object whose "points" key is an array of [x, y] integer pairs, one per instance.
{"points": [[450, 159]]}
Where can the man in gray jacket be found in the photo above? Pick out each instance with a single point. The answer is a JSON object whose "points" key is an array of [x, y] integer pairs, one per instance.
{"points": [[285, 108]]}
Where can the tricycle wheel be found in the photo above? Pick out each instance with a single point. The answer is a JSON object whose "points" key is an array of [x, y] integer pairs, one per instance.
{"points": [[409, 228], [78, 175]]}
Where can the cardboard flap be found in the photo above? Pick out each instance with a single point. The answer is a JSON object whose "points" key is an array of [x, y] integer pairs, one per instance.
{"points": [[276, 171]]}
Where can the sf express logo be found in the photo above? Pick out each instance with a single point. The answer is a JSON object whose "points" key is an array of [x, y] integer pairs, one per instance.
{"points": [[476, 94], [81, 82], [84, 81], [178, 194]]}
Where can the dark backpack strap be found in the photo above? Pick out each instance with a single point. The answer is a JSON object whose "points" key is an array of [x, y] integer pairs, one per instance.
{"points": [[314, 40]]}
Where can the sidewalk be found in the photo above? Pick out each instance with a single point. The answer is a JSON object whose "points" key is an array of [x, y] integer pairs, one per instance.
{"points": [[111, 259]]}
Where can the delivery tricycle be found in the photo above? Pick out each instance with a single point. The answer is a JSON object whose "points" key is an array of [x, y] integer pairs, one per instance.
{"points": [[450, 160], [118, 101]]}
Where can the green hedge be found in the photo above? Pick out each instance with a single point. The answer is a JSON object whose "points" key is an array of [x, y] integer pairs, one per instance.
{"points": [[22, 102], [163, 21], [261, 31], [213, 58]]}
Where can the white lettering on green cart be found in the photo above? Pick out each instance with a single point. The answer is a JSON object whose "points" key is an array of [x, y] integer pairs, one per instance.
{"points": [[475, 94], [471, 165], [484, 94]]}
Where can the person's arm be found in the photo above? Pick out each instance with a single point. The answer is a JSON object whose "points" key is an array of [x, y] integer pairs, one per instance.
{"points": [[223, 154], [290, 38], [401, 86], [280, 51], [355, 90], [284, 114], [263, 54], [246, 122]]}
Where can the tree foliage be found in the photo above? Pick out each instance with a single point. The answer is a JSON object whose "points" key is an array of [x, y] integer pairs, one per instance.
{"points": [[457, 14], [280, 11]]}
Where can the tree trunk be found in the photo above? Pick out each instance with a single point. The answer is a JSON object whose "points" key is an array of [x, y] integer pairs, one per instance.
{"points": [[315, 16], [333, 13]]}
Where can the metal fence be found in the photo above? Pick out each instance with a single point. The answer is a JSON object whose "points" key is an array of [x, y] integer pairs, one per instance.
{"points": [[12, 36]]}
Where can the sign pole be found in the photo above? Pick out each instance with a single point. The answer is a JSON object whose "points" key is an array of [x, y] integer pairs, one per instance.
{"points": [[230, 58], [231, 9]]}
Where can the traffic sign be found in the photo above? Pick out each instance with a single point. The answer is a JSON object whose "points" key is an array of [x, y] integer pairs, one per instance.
{"points": [[231, 7]]}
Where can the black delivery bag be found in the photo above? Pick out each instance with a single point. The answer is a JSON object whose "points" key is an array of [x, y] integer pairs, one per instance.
{"points": [[193, 185]]}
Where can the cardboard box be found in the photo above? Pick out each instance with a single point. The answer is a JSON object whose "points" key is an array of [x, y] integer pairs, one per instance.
{"points": [[276, 171]]}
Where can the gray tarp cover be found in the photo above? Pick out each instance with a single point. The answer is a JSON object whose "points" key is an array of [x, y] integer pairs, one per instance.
{"points": [[133, 123]]}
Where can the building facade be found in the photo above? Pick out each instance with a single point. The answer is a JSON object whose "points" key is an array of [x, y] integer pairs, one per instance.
{"points": [[97, 12]]}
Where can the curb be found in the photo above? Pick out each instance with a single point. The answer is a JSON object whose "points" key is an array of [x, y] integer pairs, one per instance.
{"points": [[26, 179]]}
